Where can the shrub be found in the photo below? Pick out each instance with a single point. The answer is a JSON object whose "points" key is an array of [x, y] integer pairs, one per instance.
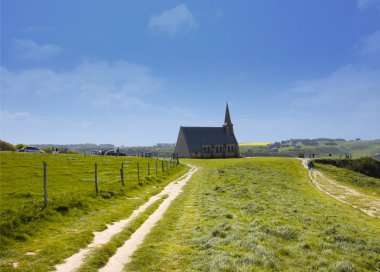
{"points": [[5, 146]]}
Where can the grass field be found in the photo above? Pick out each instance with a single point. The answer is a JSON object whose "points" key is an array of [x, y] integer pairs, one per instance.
{"points": [[260, 214], [255, 144], [73, 211]]}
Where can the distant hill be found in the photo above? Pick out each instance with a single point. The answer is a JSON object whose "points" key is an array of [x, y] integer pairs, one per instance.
{"points": [[321, 147]]}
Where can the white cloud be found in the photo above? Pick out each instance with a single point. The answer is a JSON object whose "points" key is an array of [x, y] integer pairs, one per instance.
{"points": [[98, 83], [172, 21], [31, 50]]}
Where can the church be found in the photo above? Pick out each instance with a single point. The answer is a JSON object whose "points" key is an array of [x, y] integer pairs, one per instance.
{"points": [[208, 142]]}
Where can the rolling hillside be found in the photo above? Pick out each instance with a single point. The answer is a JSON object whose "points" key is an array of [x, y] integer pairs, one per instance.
{"points": [[319, 147]]}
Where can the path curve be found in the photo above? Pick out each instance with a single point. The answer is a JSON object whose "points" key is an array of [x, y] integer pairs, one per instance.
{"points": [[373, 204], [123, 255], [173, 189]]}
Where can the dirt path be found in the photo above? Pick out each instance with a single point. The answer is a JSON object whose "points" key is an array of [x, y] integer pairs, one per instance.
{"points": [[367, 204], [173, 189]]}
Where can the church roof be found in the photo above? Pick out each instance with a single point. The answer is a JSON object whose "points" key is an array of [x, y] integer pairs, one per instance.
{"points": [[197, 136]]}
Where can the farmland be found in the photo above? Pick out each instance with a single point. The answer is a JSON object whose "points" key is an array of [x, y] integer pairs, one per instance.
{"points": [[74, 211], [259, 214]]}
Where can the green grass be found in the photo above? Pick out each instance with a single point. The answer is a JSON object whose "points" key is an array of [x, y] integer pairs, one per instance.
{"points": [[352, 178], [260, 214], [73, 211]]}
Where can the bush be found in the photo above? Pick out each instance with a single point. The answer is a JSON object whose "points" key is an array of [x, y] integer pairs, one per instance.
{"points": [[5, 146], [19, 146]]}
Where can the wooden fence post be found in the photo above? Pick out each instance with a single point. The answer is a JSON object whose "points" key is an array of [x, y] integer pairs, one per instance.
{"points": [[96, 179], [156, 167], [138, 171], [122, 176], [162, 166], [148, 169], [122, 173], [45, 185]]}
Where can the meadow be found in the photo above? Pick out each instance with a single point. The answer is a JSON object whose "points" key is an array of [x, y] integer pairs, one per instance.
{"points": [[260, 214], [34, 237]]}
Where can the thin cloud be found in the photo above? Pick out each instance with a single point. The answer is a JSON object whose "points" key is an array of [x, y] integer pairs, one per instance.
{"points": [[343, 89], [14, 116], [349, 94], [84, 124], [364, 4], [369, 45], [98, 83], [173, 21], [38, 29], [30, 50]]}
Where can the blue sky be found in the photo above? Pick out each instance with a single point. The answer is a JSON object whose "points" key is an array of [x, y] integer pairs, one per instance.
{"points": [[132, 72]]}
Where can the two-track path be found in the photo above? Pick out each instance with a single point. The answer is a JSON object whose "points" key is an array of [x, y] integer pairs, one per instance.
{"points": [[366, 203], [123, 254]]}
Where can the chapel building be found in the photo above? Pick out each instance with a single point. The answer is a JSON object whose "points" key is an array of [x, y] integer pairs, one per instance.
{"points": [[208, 142]]}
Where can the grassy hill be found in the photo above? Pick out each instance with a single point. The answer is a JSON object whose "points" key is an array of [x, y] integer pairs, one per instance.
{"points": [[320, 147], [74, 211], [260, 214]]}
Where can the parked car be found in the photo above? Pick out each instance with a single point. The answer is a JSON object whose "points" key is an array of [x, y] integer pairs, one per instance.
{"points": [[96, 152], [114, 153], [30, 149]]}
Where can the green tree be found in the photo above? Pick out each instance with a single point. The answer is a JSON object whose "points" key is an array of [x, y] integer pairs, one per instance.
{"points": [[19, 146], [5, 146]]}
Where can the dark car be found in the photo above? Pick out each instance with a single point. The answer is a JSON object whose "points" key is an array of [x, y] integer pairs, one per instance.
{"points": [[31, 149], [114, 153]]}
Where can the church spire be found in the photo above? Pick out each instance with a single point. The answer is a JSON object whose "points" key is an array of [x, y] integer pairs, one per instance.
{"points": [[227, 118], [227, 122]]}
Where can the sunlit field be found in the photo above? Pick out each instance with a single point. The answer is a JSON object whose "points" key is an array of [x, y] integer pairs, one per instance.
{"points": [[255, 144]]}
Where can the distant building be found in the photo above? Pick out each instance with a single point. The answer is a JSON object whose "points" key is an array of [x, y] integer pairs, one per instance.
{"points": [[208, 142]]}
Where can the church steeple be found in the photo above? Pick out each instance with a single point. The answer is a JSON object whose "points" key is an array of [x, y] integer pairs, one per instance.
{"points": [[227, 122]]}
